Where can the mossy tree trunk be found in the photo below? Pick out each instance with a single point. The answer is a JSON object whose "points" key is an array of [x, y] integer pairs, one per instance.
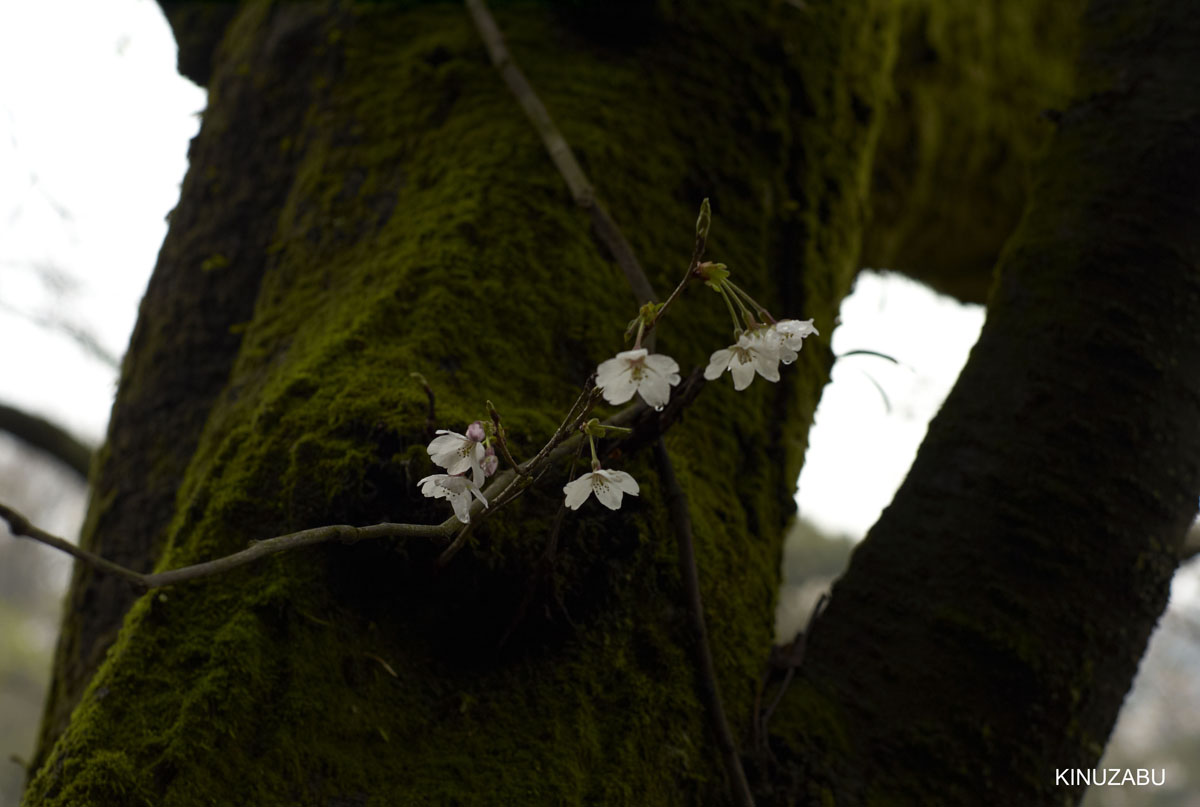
{"points": [[366, 200]]}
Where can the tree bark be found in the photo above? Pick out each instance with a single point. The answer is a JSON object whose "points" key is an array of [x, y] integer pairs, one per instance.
{"points": [[989, 627], [366, 201]]}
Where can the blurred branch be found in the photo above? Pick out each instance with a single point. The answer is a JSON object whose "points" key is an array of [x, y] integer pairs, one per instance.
{"points": [[50, 438], [77, 333]]}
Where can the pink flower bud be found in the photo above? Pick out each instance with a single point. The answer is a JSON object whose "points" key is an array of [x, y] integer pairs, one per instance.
{"points": [[490, 464], [475, 431]]}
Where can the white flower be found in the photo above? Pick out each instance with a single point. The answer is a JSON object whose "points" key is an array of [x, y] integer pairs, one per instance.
{"points": [[757, 351], [607, 485], [458, 454], [649, 375], [457, 488], [791, 333]]}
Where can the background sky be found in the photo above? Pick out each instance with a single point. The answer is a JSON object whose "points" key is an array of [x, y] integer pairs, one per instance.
{"points": [[94, 128]]}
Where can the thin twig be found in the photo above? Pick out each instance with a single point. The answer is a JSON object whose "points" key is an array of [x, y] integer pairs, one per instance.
{"points": [[558, 446], [24, 528], [682, 521], [501, 440], [689, 275], [556, 145], [790, 658], [385, 665], [618, 246], [458, 543], [21, 526], [546, 562]]}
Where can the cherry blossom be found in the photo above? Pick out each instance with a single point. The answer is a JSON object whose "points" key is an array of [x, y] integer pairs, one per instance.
{"points": [[459, 453], [607, 485], [457, 489], [650, 375], [755, 351], [791, 333]]}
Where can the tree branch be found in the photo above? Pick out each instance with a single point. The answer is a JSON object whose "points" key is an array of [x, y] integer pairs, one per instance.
{"points": [[23, 527], [618, 246], [638, 416], [682, 520], [556, 145], [46, 436]]}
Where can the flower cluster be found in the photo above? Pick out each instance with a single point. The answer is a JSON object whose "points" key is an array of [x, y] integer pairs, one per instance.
{"points": [[761, 343], [460, 454], [760, 350]]}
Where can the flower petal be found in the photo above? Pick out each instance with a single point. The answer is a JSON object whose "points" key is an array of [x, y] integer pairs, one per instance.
{"points": [[743, 373], [767, 366], [655, 391], [445, 447], [623, 481], [608, 494], [608, 371], [431, 486], [578, 491], [663, 365], [462, 506], [718, 363], [620, 389]]}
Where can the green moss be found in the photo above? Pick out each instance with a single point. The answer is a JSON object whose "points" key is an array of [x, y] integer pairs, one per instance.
{"points": [[976, 91], [214, 262], [425, 230]]}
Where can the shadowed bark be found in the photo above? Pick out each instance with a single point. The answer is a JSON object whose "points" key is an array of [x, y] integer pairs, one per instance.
{"points": [[989, 626], [366, 200]]}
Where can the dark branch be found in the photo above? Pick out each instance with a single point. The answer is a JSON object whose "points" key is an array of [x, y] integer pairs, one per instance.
{"points": [[682, 520], [46, 436], [564, 159]]}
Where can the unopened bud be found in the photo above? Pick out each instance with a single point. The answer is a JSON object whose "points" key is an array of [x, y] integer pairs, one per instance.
{"points": [[475, 431], [704, 220]]}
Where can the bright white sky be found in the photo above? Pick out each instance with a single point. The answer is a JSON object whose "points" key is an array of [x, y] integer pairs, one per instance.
{"points": [[94, 128]]}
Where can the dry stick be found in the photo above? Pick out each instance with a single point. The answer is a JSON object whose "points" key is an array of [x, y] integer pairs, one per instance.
{"points": [[502, 441], [346, 533], [21, 526], [610, 234], [545, 562], [560, 152], [790, 659], [681, 518]]}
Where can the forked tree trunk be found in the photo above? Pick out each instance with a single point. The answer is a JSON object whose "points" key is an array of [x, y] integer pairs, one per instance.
{"points": [[366, 200]]}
